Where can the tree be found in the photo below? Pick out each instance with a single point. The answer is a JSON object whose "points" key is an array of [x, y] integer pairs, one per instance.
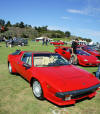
{"points": [[23, 35], [67, 34], [8, 24], [88, 39], [3, 27], [21, 25], [29, 26], [2, 22], [16, 25], [42, 29]]}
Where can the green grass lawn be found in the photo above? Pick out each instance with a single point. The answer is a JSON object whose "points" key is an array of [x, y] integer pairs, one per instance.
{"points": [[16, 96]]}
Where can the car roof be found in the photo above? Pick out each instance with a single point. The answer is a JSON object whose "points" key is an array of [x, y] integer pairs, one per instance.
{"points": [[17, 52], [38, 52]]}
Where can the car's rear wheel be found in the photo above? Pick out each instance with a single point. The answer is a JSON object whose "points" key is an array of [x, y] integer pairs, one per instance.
{"points": [[77, 62], [10, 68], [37, 90], [71, 59]]}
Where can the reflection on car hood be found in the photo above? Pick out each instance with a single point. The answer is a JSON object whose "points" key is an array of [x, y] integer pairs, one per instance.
{"points": [[67, 78]]}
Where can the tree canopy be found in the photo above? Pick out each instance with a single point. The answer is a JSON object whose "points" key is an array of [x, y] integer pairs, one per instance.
{"points": [[20, 29]]}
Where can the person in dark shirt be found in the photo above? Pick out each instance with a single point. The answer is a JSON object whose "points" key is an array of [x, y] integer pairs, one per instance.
{"points": [[74, 47], [46, 40], [43, 42]]}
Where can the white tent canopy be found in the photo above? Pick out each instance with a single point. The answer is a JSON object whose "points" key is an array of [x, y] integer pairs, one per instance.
{"points": [[91, 43], [41, 38]]}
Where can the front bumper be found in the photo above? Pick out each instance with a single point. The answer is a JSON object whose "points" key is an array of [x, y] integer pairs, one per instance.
{"points": [[78, 92], [87, 63]]}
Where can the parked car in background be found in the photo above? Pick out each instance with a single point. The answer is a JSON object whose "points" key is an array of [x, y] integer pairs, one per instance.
{"points": [[83, 58], [52, 77], [90, 50], [57, 43], [20, 41], [17, 41], [95, 47]]}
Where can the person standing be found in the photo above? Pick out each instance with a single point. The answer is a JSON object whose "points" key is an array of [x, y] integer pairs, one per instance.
{"points": [[6, 41], [43, 41], [74, 47], [46, 41]]}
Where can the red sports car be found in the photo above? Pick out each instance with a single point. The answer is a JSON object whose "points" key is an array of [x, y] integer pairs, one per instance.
{"points": [[52, 77], [57, 43], [83, 58], [90, 50]]}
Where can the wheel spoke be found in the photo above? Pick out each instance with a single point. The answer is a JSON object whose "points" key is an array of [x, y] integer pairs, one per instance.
{"points": [[37, 89]]}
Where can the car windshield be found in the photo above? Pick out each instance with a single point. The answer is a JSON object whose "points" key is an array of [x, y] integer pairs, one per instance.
{"points": [[47, 60], [90, 49], [81, 52]]}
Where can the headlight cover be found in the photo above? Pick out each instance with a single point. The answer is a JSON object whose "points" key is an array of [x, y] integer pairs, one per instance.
{"points": [[85, 60]]}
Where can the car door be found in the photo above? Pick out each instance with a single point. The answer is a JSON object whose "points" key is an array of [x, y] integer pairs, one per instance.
{"points": [[25, 64], [66, 53]]}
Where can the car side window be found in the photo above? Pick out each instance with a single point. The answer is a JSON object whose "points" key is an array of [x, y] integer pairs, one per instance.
{"points": [[64, 49], [27, 58]]}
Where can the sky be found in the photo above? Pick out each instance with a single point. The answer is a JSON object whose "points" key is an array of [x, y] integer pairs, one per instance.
{"points": [[80, 17]]}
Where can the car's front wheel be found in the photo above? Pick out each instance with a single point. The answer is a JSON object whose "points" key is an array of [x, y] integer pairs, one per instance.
{"points": [[22, 44], [37, 90]]}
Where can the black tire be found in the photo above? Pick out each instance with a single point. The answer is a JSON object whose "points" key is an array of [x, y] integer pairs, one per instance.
{"points": [[71, 59], [37, 90], [10, 68], [77, 62], [22, 44]]}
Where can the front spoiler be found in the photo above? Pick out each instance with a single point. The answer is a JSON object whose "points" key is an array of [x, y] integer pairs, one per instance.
{"points": [[77, 92]]}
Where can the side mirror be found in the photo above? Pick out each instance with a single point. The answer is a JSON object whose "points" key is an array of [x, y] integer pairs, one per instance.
{"points": [[26, 65]]}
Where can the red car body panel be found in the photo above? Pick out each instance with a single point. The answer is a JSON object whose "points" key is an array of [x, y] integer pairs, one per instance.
{"points": [[56, 79], [91, 60], [57, 43], [91, 51], [64, 53]]}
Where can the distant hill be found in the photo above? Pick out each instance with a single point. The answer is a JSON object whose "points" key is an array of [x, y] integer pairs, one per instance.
{"points": [[27, 31]]}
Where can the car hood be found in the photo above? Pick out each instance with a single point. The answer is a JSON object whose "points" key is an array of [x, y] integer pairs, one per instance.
{"points": [[66, 78], [90, 58], [95, 53]]}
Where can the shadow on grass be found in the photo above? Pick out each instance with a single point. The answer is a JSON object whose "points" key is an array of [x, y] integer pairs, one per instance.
{"points": [[21, 77], [86, 66], [78, 101]]}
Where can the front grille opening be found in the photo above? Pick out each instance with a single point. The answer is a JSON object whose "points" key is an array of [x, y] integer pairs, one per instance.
{"points": [[98, 57], [81, 95]]}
